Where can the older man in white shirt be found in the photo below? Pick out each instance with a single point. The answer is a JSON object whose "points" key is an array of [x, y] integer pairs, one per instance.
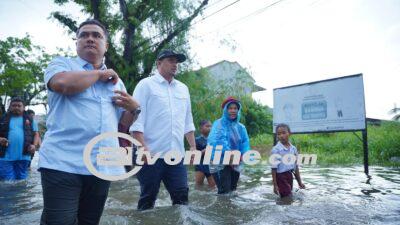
{"points": [[165, 118]]}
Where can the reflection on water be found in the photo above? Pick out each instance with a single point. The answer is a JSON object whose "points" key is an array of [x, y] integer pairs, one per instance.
{"points": [[334, 195]]}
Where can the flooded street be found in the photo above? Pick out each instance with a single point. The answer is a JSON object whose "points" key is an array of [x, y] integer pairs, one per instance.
{"points": [[334, 195]]}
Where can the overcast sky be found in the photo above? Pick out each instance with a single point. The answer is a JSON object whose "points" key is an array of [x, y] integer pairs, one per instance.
{"points": [[291, 42]]}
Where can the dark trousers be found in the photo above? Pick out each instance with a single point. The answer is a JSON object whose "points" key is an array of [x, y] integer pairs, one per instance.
{"points": [[72, 198], [285, 183], [226, 180], [173, 177]]}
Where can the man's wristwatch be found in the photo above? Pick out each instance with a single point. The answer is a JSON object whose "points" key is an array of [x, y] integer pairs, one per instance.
{"points": [[136, 111]]}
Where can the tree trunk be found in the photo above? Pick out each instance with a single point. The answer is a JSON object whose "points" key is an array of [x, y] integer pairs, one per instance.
{"points": [[2, 107]]}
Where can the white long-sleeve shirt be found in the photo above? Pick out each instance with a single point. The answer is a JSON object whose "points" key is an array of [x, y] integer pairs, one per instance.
{"points": [[166, 113]]}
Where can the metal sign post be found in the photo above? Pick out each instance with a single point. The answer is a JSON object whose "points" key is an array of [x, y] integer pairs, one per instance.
{"points": [[365, 146]]}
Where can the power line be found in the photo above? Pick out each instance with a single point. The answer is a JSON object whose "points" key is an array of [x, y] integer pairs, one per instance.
{"points": [[213, 4], [208, 16], [212, 14], [216, 12], [259, 11]]}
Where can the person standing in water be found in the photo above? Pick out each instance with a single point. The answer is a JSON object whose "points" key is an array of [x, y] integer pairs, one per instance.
{"points": [[165, 120], [229, 133], [203, 171], [282, 172], [19, 138], [85, 99]]}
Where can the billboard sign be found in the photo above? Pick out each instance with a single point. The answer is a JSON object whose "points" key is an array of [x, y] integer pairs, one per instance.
{"points": [[323, 106]]}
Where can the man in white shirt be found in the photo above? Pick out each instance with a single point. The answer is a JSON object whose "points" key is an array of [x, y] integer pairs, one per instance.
{"points": [[165, 118]]}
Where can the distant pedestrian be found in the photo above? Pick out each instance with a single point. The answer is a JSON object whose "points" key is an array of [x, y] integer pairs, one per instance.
{"points": [[19, 139]]}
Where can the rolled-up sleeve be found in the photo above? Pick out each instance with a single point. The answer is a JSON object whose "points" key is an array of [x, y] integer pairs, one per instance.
{"points": [[57, 65], [141, 95], [189, 126]]}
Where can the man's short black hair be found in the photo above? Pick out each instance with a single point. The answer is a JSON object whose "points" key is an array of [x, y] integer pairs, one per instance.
{"points": [[17, 99], [30, 111], [283, 125], [93, 22]]}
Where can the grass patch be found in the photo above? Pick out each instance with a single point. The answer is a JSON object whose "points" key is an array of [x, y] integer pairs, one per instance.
{"points": [[343, 148]]}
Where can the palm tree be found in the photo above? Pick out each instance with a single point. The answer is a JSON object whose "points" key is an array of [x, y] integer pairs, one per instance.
{"points": [[396, 112]]}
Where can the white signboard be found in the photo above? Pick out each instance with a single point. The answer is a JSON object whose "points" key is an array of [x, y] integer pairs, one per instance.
{"points": [[329, 105]]}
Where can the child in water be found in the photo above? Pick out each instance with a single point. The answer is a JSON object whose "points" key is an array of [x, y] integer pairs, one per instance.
{"points": [[282, 176], [203, 171]]}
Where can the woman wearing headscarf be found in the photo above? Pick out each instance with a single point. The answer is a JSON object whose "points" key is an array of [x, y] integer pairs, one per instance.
{"points": [[228, 133]]}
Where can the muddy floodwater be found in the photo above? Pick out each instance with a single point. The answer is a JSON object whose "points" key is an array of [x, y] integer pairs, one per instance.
{"points": [[334, 195]]}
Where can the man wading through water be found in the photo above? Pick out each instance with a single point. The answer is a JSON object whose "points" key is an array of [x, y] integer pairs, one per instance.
{"points": [[165, 119], [85, 99]]}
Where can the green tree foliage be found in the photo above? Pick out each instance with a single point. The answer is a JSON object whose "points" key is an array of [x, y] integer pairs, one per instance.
{"points": [[257, 118], [147, 27], [21, 71], [206, 102]]}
